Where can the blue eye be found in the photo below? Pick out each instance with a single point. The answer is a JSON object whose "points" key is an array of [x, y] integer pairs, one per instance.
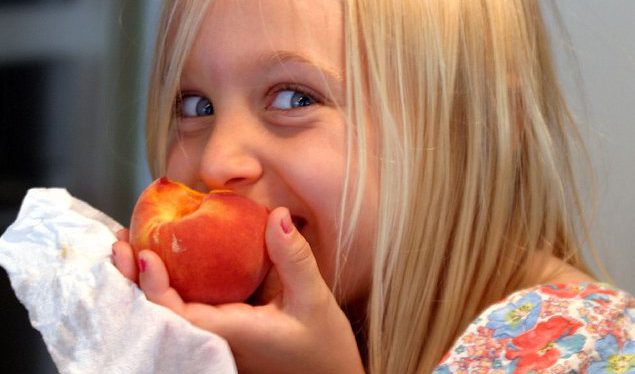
{"points": [[196, 106], [291, 99]]}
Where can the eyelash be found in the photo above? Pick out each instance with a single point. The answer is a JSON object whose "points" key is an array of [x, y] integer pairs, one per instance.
{"points": [[302, 90], [180, 101]]}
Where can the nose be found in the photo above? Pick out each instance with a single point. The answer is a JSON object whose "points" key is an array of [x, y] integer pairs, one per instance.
{"points": [[230, 158]]}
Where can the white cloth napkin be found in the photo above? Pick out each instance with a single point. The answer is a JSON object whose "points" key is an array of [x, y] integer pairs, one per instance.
{"points": [[92, 319]]}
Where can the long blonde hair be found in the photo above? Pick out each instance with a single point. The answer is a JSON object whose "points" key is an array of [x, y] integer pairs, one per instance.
{"points": [[475, 161], [474, 152], [178, 27]]}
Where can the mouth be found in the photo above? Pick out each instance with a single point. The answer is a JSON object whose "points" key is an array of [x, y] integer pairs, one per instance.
{"points": [[298, 222]]}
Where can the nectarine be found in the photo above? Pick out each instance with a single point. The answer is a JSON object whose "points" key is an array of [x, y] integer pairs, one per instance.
{"points": [[213, 244]]}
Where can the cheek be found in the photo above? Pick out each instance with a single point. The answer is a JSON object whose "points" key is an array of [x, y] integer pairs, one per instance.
{"points": [[320, 187], [183, 160], [317, 177]]}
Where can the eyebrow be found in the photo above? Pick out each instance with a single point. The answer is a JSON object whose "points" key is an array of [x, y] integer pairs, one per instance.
{"points": [[279, 57]]}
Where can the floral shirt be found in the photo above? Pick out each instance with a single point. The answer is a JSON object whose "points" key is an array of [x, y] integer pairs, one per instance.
{"points": [[556, 328]]}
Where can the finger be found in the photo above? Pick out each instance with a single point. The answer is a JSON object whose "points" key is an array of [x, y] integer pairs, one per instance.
{"points": [[269, 289], [293, 259], [155, 282], [123, 235], [123, 259], [231, 321]]}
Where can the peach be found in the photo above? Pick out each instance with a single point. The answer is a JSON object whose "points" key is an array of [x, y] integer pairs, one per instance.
{"points": [[213, 245]]}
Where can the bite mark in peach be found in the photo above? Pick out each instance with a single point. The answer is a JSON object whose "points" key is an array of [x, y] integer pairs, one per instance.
{"points": [[213, 245]]}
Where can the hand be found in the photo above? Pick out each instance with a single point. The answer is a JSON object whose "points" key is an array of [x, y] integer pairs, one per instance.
{"points": [[300, 330]]}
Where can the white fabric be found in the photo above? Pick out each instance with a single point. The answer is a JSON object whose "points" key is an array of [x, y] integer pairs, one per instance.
{"points": [[92, 319]]}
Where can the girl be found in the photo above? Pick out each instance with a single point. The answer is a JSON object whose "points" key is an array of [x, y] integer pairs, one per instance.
{"points": [[417, 159]]}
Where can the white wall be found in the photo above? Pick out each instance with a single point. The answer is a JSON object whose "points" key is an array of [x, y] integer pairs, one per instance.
{"points": [[603, 39]]}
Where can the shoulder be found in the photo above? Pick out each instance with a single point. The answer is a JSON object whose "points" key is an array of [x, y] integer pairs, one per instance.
{"points": [[583, 326]]}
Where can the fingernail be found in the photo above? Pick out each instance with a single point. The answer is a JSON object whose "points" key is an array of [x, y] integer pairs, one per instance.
{"points": [[142, 265], [286, 224], [114, 253]]}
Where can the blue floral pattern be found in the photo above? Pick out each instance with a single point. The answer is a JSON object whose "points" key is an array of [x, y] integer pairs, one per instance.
{"points": [[516, 317], [613, 357], [556, 328]]}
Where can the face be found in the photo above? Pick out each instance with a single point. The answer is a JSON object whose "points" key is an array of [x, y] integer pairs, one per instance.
{"points": [[261, 113]]}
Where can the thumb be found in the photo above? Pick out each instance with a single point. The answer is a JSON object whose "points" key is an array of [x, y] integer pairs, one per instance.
{"points": [[290, 253]]}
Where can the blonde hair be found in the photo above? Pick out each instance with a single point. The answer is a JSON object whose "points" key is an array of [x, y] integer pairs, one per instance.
{"points": [[474, 147], [475, 163], [178, 27]]}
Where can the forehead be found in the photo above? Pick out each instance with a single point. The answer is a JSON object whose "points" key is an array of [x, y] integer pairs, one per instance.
{"points": [[243, 29], [300, 18]]}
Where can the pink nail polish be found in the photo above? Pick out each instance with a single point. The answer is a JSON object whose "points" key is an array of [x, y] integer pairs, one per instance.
{"points": [[142, 265], [286, 224]]}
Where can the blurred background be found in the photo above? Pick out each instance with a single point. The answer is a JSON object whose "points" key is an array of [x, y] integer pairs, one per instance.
{"points": [[73, 78], [72, 102]]}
